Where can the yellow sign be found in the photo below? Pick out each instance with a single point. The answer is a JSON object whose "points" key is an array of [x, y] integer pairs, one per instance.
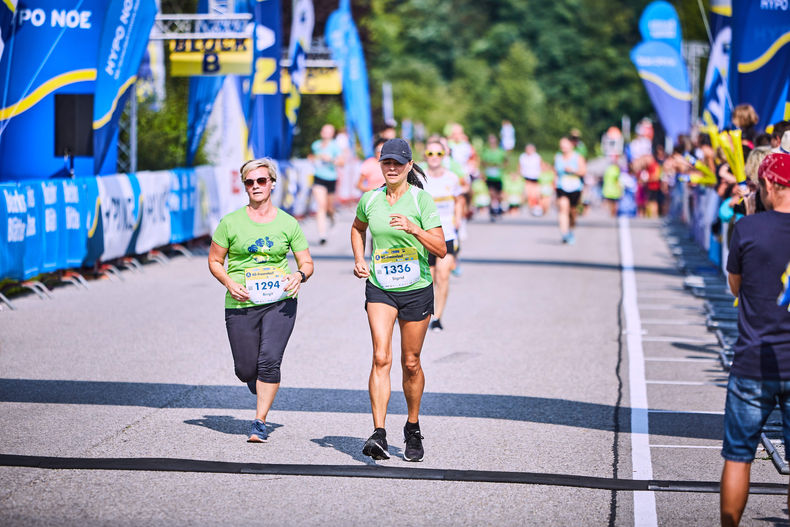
{"points": [[318, 81], [210, 56]]}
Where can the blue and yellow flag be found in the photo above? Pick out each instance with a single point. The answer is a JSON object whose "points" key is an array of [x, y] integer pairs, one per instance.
{"points": [[784, 296], [124, 37], [760, 57]]}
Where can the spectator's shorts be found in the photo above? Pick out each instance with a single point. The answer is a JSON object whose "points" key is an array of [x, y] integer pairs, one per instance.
{"points": [[749, 403]]}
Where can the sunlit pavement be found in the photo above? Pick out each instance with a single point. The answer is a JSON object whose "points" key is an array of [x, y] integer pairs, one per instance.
{"points": [[527, 377]]}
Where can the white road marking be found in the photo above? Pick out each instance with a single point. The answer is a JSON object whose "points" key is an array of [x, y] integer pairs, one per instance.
{"points": [[644, 501]]}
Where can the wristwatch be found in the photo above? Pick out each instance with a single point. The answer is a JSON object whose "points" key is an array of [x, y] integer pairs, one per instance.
{"points": [[304, 276]]}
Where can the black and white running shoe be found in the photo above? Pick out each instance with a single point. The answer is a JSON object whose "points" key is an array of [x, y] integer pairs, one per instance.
{"points": [[413, 440], [376, 445]]}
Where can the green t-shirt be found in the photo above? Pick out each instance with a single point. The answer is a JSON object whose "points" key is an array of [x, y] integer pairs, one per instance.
{"points": [[398, 257], [611, 183], [253, 245], [494, 161]]}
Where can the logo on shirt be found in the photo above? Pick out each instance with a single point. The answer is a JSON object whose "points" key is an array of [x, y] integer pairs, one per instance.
{"points": [[261, 244]]}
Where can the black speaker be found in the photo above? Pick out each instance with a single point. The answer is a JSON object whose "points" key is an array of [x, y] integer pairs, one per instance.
{"points": [[74, 124]]}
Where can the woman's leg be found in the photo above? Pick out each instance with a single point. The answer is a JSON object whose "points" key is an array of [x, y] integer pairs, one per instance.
{"points": [[412, 336], [563, 214], [276, 328], [441, 282], [320, 197], [381, 318]]}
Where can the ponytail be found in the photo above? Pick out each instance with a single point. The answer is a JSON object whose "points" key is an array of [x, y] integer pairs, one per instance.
{"points": [[414, 176]]}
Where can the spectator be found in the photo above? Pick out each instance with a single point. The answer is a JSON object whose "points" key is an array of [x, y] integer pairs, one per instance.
{"points": [[760, 373]]}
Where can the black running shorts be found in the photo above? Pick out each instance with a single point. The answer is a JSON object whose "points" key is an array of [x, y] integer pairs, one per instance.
{"points": [[450, 250], [411, 305], [326, 183]]}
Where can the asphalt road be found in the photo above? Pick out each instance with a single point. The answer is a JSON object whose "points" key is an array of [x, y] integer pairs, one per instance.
{"points": [[127, 390]]}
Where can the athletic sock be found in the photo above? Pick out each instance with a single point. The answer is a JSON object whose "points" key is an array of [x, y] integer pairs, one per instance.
{"points": [[412, 426]]}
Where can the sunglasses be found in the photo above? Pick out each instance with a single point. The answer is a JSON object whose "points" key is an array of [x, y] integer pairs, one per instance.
{"points": [[436, 154], [261, 181]]}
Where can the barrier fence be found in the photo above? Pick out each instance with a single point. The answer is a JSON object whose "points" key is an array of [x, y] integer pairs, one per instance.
{"points": [[60, 224]]}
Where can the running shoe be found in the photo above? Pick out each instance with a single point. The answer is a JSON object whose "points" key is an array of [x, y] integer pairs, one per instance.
{"points": [[564, 238], [258, 433], [322, 241], [413, 440], [376, 445], [571, 238], [457, 271], [435, 325]]}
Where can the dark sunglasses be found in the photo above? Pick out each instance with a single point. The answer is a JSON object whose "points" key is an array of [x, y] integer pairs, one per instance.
{"points": [[437, 154], [261, 181]]}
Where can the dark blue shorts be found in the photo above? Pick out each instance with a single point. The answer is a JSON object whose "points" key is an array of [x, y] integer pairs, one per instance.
{"points": [[749, 403]]}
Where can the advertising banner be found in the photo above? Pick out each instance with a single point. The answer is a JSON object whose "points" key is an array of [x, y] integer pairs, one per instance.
{"points": [[7, 11], [716, 104], [760, 57], [266, 117], [94, 225], [181, 202], [34, 236], [127, 26], [54, 232], [120, 214], [155, 219], [343, 40], [660, 22], [75, 232], [303, 20], [13, 218], [53, 51], [666, 80]]}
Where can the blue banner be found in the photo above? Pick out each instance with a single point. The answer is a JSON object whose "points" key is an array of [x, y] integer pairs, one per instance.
{"points": [[124, 38], [666, 80], [343, 40], [203, 92], [13, 219], [53, 51], [7, 11], [94, 225], [293, 101], [75, 232], [660, 22], [183, 197], [266, 118], [716, 103], [760, 57], [34, 229], [53, 252]]}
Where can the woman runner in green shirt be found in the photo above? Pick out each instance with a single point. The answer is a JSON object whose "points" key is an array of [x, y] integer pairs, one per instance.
{"points": [[405, 226], [260, 305]]}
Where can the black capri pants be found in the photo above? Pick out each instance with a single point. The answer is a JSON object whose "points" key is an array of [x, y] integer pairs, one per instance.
{"points": [[258, 336]]}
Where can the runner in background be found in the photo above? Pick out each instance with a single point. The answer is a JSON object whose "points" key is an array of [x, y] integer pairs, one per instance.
{"points": [[370, 176], [493, 160], [260, 304], [325, 158], [547, 186], [444, 186], [508, 134], [529, 164], [570, 167], [405, 227]]}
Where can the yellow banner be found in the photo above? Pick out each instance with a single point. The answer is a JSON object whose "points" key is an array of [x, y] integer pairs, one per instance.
{"points": [[318, 81], [226, 56]]}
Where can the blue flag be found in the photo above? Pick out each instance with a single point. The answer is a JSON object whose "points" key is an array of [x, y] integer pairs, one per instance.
{"points": [[659, 21], [760, 57], [266, 117], [303, 20], [666, 80], [124, 38], [716, 103], [343, 41], [7, 11]]}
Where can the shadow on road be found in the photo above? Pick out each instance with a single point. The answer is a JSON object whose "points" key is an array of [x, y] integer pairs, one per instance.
{"points": [[228, 424], [542, 410], [352, 446]]}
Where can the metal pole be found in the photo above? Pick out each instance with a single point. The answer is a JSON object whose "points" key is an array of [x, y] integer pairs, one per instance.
{"points": [[133, 130]]}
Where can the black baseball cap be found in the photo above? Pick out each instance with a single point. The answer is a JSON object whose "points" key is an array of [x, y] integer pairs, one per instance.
{"points": [[396, 149]]}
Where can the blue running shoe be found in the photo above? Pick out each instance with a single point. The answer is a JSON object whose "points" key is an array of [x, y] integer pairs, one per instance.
{"points": [[571, 238], [258, 433]]}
